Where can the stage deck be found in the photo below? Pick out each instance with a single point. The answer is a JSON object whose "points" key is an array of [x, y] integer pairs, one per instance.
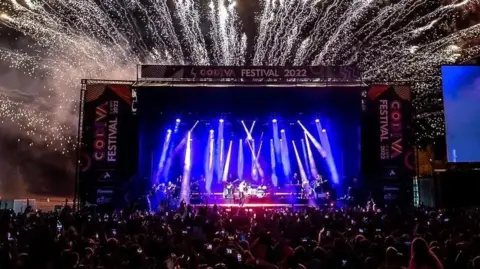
{"points": [[255, 205]]}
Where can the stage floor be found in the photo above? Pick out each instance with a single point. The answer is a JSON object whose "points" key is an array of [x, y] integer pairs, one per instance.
{"points": [[254, 205]]}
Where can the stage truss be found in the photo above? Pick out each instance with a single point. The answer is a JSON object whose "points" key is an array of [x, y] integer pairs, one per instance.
{"points": [[324, 81]]}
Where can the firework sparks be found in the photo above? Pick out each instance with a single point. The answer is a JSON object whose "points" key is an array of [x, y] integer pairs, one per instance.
{"points": [[71, 39]]}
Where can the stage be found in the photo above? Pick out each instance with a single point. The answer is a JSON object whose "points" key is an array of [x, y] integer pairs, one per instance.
{"points": [[282, 138], [274, 132]]}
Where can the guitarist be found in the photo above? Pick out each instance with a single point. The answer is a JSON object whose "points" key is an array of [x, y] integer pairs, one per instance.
{"points": [[319, 185], [228, 188]]}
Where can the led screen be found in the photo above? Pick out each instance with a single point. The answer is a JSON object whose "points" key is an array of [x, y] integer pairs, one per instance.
{"points": [[461, 95]]}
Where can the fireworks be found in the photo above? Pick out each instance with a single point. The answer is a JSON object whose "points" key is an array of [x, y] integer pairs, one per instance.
{"points": [[67, 40]]}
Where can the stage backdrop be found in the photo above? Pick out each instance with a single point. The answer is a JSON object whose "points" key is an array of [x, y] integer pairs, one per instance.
{"points": [[387, 147], [339, 109], [109, 146]]}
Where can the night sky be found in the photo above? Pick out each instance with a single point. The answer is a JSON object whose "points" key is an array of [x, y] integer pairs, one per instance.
{"points": [[38, 170]]}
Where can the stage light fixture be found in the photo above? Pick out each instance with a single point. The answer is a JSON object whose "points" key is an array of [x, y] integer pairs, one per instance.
{"points": [[274, 120], [221, 120], [317, 121], [282, 131], [211, 130], [324, 131], [178, 120], [169, 130]]}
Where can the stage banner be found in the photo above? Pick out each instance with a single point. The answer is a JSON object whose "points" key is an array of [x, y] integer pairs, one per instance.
{"points": [[109, 145], [195, 73], [389, 139]]}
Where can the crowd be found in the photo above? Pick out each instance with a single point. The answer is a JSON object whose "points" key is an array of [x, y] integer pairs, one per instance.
{"points": [[214, 237]]}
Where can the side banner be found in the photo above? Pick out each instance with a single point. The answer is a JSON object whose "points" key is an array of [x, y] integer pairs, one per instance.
{"points": [[389, 139], [108, 146]]}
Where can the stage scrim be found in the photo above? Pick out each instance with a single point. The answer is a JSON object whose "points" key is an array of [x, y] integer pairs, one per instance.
{"points": [[387, 148], [109, 144]]}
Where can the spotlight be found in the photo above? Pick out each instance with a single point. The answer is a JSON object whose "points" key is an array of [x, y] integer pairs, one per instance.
{"points": [[282, 131], [317, 120], [274, 120], [178, 120], [211, 131], [324, 131], [221, 120], [169, 130]]}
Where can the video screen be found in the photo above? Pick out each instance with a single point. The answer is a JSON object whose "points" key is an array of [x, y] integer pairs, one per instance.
{"points": [[461, 95]]}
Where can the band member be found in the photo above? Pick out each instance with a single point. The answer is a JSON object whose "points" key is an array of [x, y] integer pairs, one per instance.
{"points": [[171, 189], [306, 190], [226, 187], [194, 185], [242, 190], [297, 182], [319, 186]]}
